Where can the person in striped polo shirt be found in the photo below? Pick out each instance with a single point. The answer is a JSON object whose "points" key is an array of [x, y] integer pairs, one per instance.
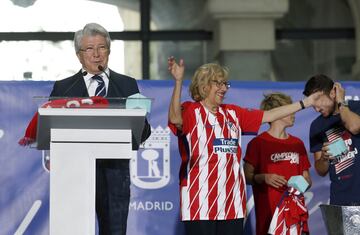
{"points": [[212, 183]]}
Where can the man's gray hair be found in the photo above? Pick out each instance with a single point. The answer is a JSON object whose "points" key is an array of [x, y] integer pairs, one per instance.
{"points": [[91, 29]]}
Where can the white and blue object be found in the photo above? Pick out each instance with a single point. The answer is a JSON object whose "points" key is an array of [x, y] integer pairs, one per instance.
{"points": [[138, 101], [338, 147], [298, 182]]}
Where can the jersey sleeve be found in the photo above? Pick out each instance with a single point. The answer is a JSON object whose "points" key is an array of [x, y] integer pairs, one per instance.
{"points": [[186, 118], [250, 120]]}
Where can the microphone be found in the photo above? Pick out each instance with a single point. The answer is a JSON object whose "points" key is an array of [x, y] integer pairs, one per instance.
{"points": [[102, 69], [76, 81]]}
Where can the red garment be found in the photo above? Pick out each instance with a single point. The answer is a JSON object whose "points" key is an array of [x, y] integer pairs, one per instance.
{"points": [[271, 155], [291, 215], [92, 102], [211, 177]]}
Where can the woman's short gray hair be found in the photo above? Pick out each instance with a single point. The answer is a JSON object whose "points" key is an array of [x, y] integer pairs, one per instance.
{"points": [[91, 29], [203, 76]]}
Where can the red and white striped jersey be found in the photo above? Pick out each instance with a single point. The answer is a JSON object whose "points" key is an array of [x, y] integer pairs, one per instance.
{"points": [[212, 182]]}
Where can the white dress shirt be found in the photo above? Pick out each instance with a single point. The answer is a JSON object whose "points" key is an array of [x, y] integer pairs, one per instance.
{"points": [[91, 84]]}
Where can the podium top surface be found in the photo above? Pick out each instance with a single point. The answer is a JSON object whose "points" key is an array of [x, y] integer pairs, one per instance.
{"points": [[135, 101], [89, 118], [86, 112]]}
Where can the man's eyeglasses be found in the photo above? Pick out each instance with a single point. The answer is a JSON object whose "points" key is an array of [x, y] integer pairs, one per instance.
{"points": [[219, 84], [91, 50]]}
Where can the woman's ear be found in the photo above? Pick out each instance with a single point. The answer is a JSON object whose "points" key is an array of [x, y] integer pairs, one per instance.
{"points": [[205, 90]]}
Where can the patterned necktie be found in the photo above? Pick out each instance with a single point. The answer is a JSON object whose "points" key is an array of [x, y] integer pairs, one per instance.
{"points": [[100, 90]]}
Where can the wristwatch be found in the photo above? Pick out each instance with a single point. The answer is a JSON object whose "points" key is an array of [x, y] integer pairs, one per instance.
{"points": [[344, 103]]}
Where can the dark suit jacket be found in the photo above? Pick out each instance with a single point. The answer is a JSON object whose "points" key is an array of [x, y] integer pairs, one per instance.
{"points": [[119, 86], [74, 86]]}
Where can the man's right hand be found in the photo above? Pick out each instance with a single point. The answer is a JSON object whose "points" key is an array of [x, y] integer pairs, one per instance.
{"points": [[325, 155], [340, 93]]}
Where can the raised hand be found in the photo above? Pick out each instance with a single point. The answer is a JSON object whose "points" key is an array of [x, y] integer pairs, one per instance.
{"points": [[340, 92], [176, 70]]}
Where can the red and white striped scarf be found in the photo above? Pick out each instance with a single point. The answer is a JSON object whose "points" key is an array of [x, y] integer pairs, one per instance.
{"points": [[92, 102], [291, 215]]}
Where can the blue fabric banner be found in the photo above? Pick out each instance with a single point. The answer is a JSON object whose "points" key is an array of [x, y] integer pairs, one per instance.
{"points": [[154, 207]]}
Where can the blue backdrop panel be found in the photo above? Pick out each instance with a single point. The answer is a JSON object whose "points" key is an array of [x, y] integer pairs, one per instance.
{"points": [[154, 207]]}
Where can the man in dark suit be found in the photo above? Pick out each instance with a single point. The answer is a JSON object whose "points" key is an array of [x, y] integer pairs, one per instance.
{"points": [[92, 46]]}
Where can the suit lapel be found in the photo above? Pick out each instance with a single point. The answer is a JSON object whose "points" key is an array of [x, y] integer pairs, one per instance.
{"points": [[80, 87], [114, 90]]}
